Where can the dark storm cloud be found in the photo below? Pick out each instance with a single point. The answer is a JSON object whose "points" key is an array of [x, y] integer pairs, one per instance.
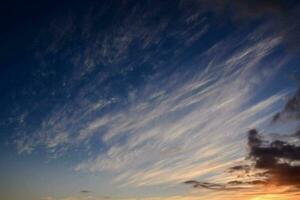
{"points": [[271, 161]]}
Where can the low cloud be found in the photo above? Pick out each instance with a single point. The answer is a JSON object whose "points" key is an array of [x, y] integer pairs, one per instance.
{"points": [[85, 191], [270, 162]]}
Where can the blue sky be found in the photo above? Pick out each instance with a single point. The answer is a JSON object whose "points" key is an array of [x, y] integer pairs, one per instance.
{"points": [[129, 99]]}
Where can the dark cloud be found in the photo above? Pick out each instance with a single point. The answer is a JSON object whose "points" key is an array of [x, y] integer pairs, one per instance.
{"points": [[282, 16], [279, 159], [291, 109], [245, 168], [249, 8], [85, 191], [212, 186], [231, 185], [272, 162], [275, 162]]}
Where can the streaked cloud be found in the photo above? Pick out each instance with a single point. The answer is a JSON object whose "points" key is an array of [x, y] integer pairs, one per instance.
{"points": [[151, 140], [271, 163], [148, 104]]}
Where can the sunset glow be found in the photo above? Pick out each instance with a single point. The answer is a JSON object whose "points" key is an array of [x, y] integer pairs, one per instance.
{"points": [[150, 100], [269, 197]]}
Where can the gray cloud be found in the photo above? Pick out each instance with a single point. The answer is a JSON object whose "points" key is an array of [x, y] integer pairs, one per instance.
{"points": [[85, 191], [228, 186], [291, 109], [274, 162], [279, 159]]}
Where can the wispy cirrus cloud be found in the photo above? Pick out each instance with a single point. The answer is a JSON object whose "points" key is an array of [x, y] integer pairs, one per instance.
{"points": [[200, 108], [174, 124], [130, 99], [151, 139]]}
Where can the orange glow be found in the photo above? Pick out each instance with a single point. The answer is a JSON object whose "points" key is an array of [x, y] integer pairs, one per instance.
{"points": [[268, 197]]}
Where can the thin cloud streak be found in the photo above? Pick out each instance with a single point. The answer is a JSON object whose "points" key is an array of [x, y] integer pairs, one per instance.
{"points": [[208, 106], [136, 98], [208, 117]]}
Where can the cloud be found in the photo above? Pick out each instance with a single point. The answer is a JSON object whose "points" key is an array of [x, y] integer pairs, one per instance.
{"points": [[181, 121], [214, 186], [48, 198], [211, 103], [177, 118], [278, 15], [85, 191], [272, 162], [291, 109], [279, 160]]}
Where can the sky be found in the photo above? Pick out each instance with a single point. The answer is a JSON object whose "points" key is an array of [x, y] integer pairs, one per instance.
{"points": [[150, 100]]}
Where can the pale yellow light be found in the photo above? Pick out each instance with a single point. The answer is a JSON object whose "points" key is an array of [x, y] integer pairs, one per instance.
{"points": [[268, 197]]}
